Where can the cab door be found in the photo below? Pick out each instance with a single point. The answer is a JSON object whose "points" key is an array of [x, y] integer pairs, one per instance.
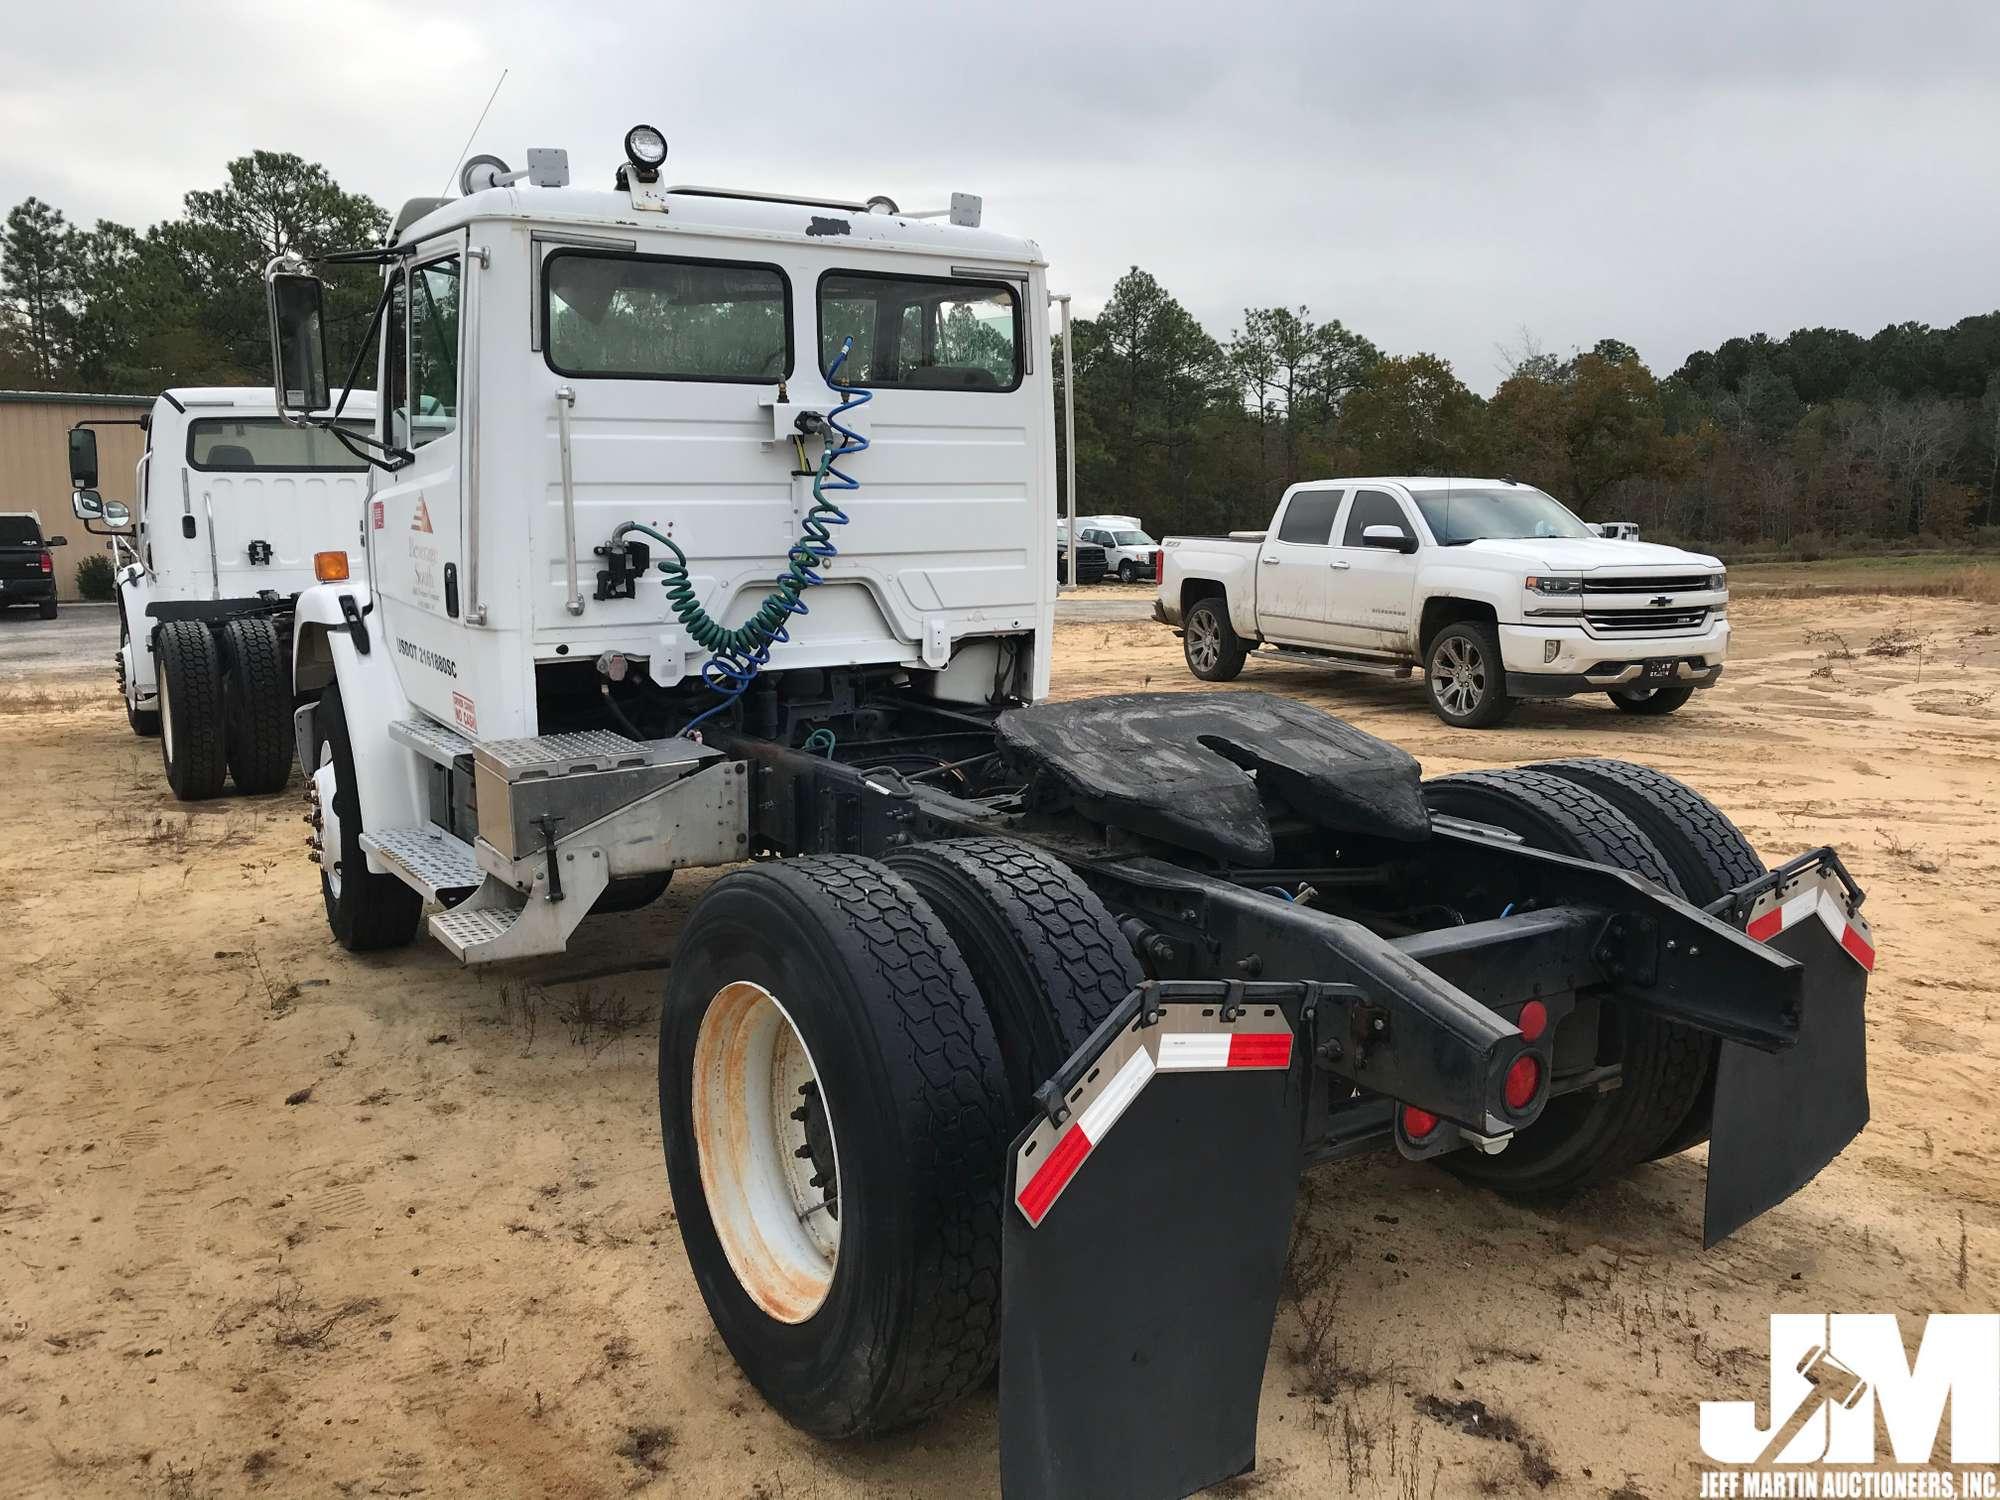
{"points": [[1292, 569], [1369, 598], [416, 518]]}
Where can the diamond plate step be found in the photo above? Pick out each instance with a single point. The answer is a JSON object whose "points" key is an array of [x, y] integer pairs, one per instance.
{"points": [[427, 858], [430, 739], [546, 755], [467, 930]]}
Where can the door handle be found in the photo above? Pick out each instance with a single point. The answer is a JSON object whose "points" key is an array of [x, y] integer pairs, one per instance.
{"points": [[1270, 562], [1340, 562]]}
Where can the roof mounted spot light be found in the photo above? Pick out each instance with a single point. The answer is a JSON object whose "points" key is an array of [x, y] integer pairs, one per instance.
{"points": [[646, 150], [480, 173], [882, 203]]}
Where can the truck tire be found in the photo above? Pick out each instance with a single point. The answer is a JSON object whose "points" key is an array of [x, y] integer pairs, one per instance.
{"points": [[191, 735], [48, 609], [1128, 572], [1585, 1138], [1708, 853], [1210, 643], [367, 912], [819, 1020], [1655, 702], [145, 722], [1047, 958], [1464, 676], [630, 892], [257, 704]]}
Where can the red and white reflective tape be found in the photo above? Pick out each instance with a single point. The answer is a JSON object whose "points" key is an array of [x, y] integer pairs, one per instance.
{"points": [[1776, 911], [1183, 1041]]}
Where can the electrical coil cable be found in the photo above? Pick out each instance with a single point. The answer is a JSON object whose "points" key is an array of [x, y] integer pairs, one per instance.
{"points": [[741, 651]]}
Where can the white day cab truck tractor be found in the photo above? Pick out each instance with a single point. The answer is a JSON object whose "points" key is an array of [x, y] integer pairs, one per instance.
{"points": [[1495, 589], [710, 528], [237, 511]]}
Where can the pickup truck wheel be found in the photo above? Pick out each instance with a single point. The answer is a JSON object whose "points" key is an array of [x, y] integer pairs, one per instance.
{"points": [[1128, 572], [366, 911], [1584, 1138], [1656, 701], [1213, 650], [191, 733], [257, 706], [1708, 853], [1048, 959], [836, 1125], [1467, 683], [48, 609]]}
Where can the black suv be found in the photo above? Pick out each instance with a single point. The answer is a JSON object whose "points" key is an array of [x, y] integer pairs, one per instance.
{"points": [[27, 571]]}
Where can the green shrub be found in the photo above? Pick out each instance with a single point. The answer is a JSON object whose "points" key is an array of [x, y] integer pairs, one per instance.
{"points": [[93, 577]]}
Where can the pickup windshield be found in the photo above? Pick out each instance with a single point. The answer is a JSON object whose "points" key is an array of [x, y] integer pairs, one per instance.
{"points": [[1458, 516], [20, 531], [1132, 539]]}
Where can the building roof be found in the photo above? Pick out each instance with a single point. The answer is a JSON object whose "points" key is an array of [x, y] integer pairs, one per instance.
{"points": [[73, 398]]}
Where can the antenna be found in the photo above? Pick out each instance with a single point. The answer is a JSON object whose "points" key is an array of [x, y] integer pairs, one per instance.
{"points": [[452, 172]]}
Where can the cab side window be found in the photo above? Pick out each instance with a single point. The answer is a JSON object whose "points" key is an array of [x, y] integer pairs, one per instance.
{"points": [[1373, 508], [1309, 518], [396, 364], [433, 315]]}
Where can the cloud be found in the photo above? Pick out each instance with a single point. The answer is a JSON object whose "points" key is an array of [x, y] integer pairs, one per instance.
{"points": [[1436, 175]]}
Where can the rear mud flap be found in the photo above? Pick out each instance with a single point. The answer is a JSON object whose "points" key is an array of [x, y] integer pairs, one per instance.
{"points": [[1145, 1241], [1781, 1116]]}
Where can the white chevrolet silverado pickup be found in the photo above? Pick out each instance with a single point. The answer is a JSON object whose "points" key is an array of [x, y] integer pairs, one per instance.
{"points": [[1495, 589]]}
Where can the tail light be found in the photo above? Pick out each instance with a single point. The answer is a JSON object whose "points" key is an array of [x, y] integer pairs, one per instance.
{"points": [[1523, 1082], [1418, 1123], [1159, 562], [48, 563]]}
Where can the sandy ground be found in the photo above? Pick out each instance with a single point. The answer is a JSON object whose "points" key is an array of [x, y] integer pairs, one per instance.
{"points": [[277, 1220]]}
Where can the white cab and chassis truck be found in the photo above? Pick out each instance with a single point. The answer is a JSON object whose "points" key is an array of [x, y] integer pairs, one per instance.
{"points": [[1491, 586], [1008, 1030], [235, 512]]}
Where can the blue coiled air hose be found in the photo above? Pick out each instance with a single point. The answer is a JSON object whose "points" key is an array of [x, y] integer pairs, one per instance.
{"points": [[741, 651]]}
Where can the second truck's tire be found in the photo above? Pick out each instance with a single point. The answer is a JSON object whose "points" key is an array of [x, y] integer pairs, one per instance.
{"points": [[1584, 1138], [1708, 853], [257, 705], [818, 1019], [366, 911], [1653, 702], [1210, 643], [191, 735], [1048, 959], [145, 722], [48, 609], [1464, 676]]}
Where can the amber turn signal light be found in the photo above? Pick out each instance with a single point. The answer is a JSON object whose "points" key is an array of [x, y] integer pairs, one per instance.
{"points": [[330, 567]]}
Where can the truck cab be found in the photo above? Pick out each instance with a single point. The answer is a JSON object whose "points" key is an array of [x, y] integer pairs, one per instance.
{"points": [[1491, 586]]}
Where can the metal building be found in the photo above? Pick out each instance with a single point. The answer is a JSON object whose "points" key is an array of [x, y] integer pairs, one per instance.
{"points": [[34, 463]]}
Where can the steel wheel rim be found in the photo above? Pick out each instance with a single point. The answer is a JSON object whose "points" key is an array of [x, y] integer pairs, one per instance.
{"points": [[779, 1230], [1458, 675], [166, 717], [330, 846], [1204, 641]]}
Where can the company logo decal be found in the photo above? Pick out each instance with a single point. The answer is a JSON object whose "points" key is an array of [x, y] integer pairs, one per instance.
{"points": [[422, 520], [1839, 1385]]}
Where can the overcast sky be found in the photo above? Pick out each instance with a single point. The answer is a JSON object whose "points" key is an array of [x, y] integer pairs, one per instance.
{"points": [[1438, 176]]}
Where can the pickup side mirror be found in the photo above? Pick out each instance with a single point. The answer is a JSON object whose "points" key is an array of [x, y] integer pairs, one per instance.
{"points": [[86, 504], [82, 458], [55, 541], [1388, 538], [298, 342]]}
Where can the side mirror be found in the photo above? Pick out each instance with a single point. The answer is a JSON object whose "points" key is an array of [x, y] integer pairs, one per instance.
{"points": [[82, 458], [86, 504], [117, 513], [55, 541], [1388, 538], [298, 342]]}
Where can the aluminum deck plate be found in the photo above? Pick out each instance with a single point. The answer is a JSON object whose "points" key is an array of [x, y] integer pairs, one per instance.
{"points": [[437, 860], [565, 754], [431, 740], [461, 929]]}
